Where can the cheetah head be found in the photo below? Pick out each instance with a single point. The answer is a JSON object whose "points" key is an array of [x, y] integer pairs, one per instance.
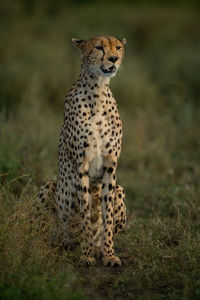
{"points": [[101, 55]]}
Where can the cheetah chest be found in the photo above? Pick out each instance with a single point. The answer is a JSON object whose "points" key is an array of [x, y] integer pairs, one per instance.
{"points": [[97, 142]]}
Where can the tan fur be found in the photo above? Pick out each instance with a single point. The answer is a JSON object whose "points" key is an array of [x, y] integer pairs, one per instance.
{"points": [[87, 197]]}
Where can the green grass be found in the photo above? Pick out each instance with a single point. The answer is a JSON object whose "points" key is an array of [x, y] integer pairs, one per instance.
{"points": [[158, 94]]}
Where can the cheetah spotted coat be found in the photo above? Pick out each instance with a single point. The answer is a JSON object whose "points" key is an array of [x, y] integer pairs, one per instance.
{"points": [[89, 203]]}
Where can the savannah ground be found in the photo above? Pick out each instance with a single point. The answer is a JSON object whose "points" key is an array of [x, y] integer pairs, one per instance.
{"points": [[158, 94]]}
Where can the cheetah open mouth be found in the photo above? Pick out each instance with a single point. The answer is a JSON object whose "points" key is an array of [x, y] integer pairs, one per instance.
{"points": [[108, 71]]}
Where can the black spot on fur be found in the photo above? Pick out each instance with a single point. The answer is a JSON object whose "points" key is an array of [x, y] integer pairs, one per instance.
{"points": [[110, 170], [85, 144], [110, 186]]}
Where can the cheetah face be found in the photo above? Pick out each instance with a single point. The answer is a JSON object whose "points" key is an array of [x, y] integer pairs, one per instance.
{"points": [[101, 55]]}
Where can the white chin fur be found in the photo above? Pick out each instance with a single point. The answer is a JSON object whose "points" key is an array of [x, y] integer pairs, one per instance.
{"points": [[108, 74]]}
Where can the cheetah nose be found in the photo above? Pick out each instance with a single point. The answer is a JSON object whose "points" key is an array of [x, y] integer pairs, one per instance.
{"points": [[113, 58]]}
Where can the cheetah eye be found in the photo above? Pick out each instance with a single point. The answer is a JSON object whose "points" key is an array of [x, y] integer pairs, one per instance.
{"points": [[99, 47], [118, 47]]}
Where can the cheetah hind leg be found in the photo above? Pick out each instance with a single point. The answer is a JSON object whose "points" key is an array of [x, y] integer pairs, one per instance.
{"points": [[119, 210], [46, 206]]}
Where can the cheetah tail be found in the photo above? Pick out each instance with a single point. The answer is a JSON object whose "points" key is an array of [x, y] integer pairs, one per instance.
{"points": [[46, 195]]}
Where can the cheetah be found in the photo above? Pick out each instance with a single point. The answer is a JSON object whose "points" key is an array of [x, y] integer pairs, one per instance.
{"points": [[89, 203]]}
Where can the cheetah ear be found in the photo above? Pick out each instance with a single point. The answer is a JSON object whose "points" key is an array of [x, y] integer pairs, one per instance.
{"points": [[77, 43], [124, 41]]}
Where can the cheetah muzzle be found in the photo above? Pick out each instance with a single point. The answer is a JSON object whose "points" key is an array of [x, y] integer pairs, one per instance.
{"points": [[108, 71]]}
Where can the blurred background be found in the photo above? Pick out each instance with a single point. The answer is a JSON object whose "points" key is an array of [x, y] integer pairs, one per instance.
{"points": [[157, 89]]}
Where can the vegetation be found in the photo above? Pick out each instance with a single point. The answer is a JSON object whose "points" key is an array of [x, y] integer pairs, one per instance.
{"points": [[158, 94]]}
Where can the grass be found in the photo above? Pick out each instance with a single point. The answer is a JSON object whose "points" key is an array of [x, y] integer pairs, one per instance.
{"points": [[158, 94]]}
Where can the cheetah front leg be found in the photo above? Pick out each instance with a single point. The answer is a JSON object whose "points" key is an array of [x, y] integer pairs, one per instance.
{"points": [[96, 218], [84, 196], [108, 194]]}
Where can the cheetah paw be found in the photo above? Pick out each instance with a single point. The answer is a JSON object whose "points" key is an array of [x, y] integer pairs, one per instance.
{"points": [[87, 261], [112, 261]]}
